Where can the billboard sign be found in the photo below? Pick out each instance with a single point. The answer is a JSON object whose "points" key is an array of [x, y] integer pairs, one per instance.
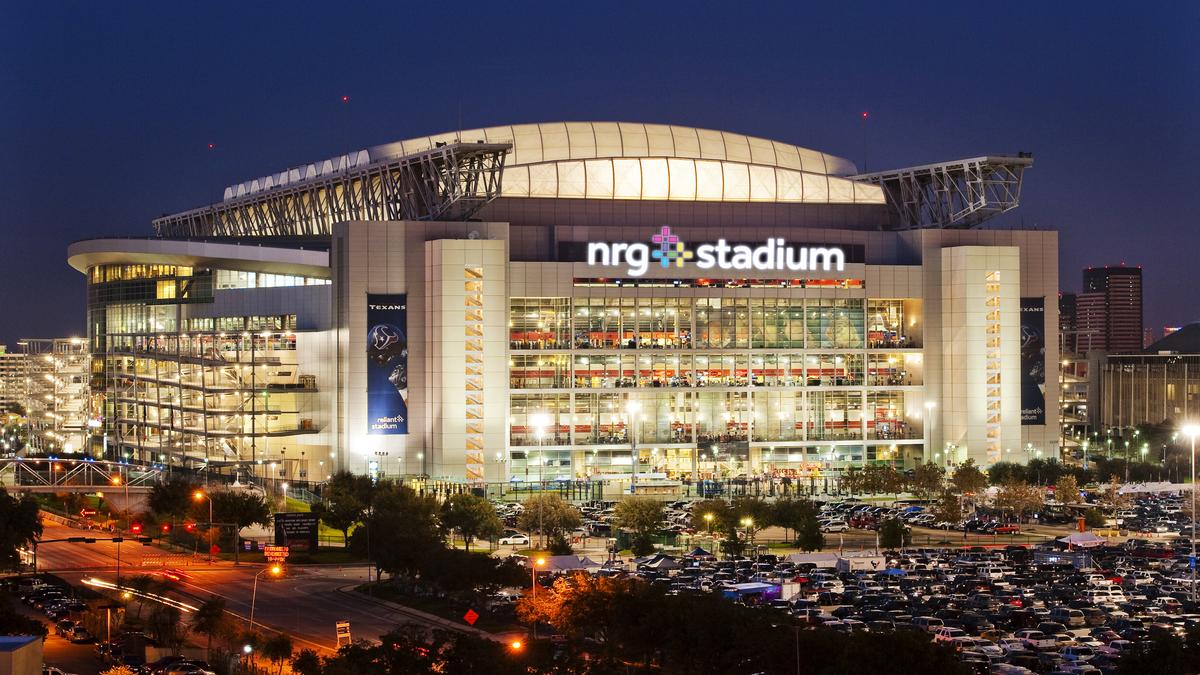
{"points": [[297, 531], [1033, 361], [387, 364]]}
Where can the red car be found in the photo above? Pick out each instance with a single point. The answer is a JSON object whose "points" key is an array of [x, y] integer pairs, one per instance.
{"points": [[1011, 528], [175, 575]]}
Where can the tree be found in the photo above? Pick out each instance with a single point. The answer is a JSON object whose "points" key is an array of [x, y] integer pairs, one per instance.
{"points": [[948, 508], [1019, 498], [1111, 499], [307, 662], [787, 513], [141, 585], [968, 479], [928, 479], [20, 526], [1006, 472], [893, 533], [471, 517], [642, 516], [346, 499], [278, 649], [1067, 490], [549, 515], [717, 508], [401, 531], [172, 499], [750, 513], [211, 621], [163, 624], [808, 532], [852, 480], [239, 509]]}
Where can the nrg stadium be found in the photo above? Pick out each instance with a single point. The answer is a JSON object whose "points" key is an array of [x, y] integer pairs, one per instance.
{"points": [[625, 303]]}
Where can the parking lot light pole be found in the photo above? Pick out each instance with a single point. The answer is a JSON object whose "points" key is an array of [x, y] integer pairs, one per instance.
{"points": [[1193, 430]]}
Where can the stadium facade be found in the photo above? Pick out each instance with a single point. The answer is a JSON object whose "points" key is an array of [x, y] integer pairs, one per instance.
{"points": [[581, 300]]}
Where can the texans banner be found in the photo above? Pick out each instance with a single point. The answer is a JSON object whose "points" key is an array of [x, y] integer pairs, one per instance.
{"points": [[387, 363], [1033, 361]]}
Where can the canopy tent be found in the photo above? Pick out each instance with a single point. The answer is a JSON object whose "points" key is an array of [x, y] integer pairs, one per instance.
{"points": [[698, 553], [660, 562], [1147, 488], [818, 559], [1083, 540], [564, 563]]}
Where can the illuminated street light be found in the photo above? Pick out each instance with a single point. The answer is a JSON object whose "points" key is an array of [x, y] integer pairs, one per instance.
{"points": [[199, 495], [1191, 431], [275, 571]]}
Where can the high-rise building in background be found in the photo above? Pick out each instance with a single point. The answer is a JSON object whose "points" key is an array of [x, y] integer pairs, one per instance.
{"points": [[1109, 310], [1148, 337], [1068, 325]]}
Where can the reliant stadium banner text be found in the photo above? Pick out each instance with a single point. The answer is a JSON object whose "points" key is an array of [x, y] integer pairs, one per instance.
{"points": [[1033, 361], [387, 363]]}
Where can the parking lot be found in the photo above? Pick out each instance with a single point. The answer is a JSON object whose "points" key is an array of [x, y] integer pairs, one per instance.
{"points": [[1003, 607]]}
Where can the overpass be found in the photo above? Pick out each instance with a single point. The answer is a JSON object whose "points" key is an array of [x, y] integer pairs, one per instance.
{"points": [[63, 474]]}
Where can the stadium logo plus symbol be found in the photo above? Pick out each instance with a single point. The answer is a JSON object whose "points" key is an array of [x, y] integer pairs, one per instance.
{"points": [[670, 248]]}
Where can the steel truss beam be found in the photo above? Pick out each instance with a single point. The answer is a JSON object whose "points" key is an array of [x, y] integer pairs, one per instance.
{"points": [[449, 182], [957, 194]]}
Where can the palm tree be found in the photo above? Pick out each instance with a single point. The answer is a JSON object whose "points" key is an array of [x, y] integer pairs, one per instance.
{"points": [[278, 648], [210, 621]]}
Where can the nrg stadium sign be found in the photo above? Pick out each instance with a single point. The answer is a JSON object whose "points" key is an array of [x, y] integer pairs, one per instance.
{"points": [[775, 254]]}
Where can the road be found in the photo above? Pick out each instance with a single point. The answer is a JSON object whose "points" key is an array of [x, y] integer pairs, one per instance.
{"points": [[305, 603]]}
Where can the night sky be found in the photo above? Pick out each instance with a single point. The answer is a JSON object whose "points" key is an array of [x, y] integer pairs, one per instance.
{"points": [[107, 109]]}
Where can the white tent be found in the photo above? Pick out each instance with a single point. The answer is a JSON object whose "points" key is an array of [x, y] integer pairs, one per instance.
{"points": [[564, 563], [829, 560], [1083, 540], [1160, 486]]}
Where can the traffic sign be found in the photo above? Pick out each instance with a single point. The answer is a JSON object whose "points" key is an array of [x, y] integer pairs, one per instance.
{"points": [[87, 512], [276, 553], [342, 629], [471, 617], [1192, 562]]}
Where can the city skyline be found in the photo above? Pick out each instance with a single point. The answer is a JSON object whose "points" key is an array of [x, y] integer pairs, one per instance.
{"points": [[130, 114]]}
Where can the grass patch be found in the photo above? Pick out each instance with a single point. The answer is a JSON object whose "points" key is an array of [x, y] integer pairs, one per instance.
{"points": [[292, 505]]}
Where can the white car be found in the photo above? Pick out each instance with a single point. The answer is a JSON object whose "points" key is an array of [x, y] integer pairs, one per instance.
{"points": [[835, 526], [515, 540]]}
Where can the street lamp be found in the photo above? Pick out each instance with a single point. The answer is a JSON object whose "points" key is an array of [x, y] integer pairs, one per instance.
{"points": [[748, 525], [199, 495], [540, 562], [1193, 430], [275, 571], [708, 519]]}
